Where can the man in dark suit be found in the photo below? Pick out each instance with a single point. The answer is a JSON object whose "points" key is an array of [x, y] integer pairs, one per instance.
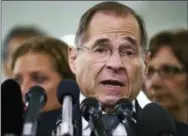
{"points": [[109, 58]]}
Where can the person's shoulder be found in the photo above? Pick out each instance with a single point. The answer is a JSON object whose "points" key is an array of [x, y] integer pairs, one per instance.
{"points": [[181, 128]]}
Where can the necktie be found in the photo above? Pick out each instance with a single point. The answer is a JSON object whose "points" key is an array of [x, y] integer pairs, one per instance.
{"points": [[110, 122]]}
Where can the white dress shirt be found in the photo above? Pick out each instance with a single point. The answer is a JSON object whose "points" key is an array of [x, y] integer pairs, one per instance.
{"points": [[142, 99]]}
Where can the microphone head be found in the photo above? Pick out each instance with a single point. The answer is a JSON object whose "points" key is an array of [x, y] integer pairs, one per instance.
{"points": [[36, 93], [87, 104], [68, 87], [155, 121], [12, 107], [123, 109]]}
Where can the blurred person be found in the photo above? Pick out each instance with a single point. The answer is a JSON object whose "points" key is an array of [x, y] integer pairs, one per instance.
{"points": [[167, 73], [42, 61], [14, 38]]}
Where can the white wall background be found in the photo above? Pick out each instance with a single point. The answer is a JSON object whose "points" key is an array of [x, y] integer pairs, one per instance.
{"points": [[59, 18]]}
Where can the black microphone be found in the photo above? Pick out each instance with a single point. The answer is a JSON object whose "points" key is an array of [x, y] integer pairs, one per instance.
{"points": [[12, 108], [124, 111], [91, 111], [156, 121], [67, 94], [36, 99]]}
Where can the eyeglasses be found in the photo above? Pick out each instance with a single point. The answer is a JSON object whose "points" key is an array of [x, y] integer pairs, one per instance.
{"points": [[126, 53], [165, 71]]}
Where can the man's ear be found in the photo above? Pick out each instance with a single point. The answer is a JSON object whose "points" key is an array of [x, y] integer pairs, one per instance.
{"points": [[72, 53], [147, 58]]}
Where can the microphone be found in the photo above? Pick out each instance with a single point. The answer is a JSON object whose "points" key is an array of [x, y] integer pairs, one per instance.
{"points": [[67, 94], [91, 111], [124, 111], [12, 118], [36, 98], [156, 121]]}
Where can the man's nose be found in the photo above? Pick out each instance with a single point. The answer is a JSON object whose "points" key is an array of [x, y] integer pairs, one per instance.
{"points": [[114, 62]]}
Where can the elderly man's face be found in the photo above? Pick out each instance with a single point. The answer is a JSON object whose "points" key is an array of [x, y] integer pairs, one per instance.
{"points": [[109, 65]]}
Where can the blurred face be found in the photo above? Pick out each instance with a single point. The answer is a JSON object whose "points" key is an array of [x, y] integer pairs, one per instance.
{"points": [[13, 44], [37, 69], [168, 86], [109, 65]]}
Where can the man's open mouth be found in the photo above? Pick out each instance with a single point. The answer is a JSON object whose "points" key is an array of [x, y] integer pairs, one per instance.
{"points": [[113, 83]]}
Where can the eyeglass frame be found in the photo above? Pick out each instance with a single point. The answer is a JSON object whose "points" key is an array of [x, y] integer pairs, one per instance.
{"points": [[109, 49], [174, 70]]}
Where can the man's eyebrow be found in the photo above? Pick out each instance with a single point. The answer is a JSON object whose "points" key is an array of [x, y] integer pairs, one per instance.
{"points": [[131, 40], [99, 41]]}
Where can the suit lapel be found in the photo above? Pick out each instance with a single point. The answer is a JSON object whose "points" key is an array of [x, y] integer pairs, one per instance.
{"points": [[138, 110], [136, 117]]}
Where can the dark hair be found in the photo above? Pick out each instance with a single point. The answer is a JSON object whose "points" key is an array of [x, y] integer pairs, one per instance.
{"points": [[110, 7], [177, 40], [17, 32], [55, 48]]}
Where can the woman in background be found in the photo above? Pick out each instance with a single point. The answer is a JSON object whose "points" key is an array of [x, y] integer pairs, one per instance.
{"points": [[167, 74], [42, 61]]}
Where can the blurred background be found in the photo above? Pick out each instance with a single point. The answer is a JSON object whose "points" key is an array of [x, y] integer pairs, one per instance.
{"points": [[60, 18]]}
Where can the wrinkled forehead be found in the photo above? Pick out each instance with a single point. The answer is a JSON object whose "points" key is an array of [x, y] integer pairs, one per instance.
{"points": [[114, 40], [114, 29]]}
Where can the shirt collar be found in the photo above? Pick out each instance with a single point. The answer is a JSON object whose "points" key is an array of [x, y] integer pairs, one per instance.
{"points": [[85, 124]]}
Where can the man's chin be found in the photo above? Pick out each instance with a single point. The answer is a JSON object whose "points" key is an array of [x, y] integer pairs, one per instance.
{"points": [[108, 100]]}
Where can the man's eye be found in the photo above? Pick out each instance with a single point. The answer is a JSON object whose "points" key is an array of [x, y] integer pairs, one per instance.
{"points": [[129, 53], [126, 52], [101, 49]]}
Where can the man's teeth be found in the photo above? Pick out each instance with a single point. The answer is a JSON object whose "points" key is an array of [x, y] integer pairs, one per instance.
{"points": [[112, 85]]}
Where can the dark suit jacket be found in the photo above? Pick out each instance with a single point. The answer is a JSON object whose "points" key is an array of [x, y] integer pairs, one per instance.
{"points": [[47, 122], [181, 128]]}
